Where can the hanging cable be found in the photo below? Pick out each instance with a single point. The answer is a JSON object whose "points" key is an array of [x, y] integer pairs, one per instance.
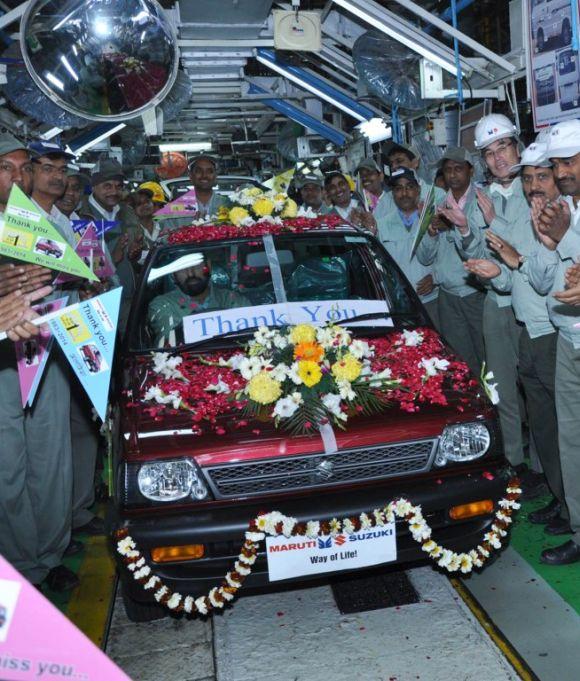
{"points": [[456, 50]]}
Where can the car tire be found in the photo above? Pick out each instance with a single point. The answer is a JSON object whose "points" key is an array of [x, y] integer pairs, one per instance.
{"points": [[566, 33], [137, 611], [540, 43]]}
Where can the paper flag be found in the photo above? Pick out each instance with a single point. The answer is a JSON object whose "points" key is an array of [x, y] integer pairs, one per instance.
{"points": [[38, 642], [90, 250], [184, 206], [86, 333], [27, 235], [32, 354], [425, 219], [101, 226], [280, 183]]}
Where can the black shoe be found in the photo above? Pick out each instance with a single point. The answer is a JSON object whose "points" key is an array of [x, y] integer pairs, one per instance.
{"points": [[73, 548], [545, 514], [94, 527], [562, 555], [558, 526], [60, 578], [533, 485]]}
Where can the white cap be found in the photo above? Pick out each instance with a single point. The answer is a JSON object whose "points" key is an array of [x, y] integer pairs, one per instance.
{"points": [[534, 155], [564, 140], [492, 128]]}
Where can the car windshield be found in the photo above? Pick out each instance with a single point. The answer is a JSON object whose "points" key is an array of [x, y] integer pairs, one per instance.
{"points": [[201, 293]]}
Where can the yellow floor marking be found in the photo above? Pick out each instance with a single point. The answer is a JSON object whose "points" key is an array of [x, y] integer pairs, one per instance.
{"points": [[510, 653], [90, 603]]}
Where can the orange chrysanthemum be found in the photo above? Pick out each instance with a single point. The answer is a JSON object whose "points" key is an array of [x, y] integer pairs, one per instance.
{"points": [[311, 352]]}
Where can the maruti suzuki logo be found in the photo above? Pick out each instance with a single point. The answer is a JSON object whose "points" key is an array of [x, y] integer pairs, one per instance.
{"points": [[325, 543], [324, 470], [340, 539]]}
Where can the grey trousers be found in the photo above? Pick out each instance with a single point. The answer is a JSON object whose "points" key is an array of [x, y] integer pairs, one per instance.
{"points": [[433, 312], [85, 447], [461, 323], [537, 371], [501, 334], [35, 468], [568, 409]]}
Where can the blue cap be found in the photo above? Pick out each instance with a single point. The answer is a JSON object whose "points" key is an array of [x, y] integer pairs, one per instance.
{"points": [[39, 148]]}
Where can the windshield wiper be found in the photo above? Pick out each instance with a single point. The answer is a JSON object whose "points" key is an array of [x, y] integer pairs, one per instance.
{"points": [[225, 335], [378, 315]]}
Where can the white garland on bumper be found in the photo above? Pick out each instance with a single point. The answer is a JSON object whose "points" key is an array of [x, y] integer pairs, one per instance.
{"points": [[276, 524]]}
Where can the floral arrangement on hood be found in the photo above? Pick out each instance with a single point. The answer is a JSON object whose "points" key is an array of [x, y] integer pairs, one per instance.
{"points": [[303, 376], [252, 205]]}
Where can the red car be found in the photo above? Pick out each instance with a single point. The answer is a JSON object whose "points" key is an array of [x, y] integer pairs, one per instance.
{"points": [[186, 496], [92, 358], [48, 247]]}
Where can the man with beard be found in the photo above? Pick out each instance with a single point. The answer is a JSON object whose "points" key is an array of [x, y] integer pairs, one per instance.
{"points": [[460, 300], [538, 338], [505, 212], [35, 456], [310, 189], [194, 293], [554, 271]]}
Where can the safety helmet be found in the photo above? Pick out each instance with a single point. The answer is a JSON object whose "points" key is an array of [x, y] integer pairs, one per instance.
{"points": [[157, 191], [492, 128]]}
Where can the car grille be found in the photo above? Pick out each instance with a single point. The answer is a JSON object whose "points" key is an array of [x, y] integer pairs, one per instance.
{"points": [[267, 476]]}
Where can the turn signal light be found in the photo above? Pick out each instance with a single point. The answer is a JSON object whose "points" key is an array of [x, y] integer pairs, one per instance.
{"points": [[470, 510], [174, 554]]}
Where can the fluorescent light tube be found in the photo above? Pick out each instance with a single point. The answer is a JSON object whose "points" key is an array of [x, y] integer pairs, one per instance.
{"points": [[397, 35], [185, 146], [311, 88], [376, 130], [97, 139]]}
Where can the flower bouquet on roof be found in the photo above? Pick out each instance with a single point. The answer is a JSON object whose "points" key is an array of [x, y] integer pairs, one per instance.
{"points": [[304, 376], [252, 205]]}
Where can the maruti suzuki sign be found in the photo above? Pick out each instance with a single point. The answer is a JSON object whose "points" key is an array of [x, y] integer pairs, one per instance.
{"points": [[299, 556]]}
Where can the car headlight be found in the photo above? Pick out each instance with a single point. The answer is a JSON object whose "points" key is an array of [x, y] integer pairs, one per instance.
{"points": [[171, 480], [463, 442]]}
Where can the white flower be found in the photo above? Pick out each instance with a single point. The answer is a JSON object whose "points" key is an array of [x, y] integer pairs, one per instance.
{"points": [[247, 222], [133, 566], [220, 387], [379, 517], [365, 521], [285, 407], [490, 388], [446, 558], [345, 390], [325, 336], [160, 593], [143, 572], [279, 373], [250, 366], [280, 341], [312, 528], [174, 601], [402, 508], [241, 568], [454, 564], [412, 338], [433, 365], [247, 560], [188, 604], [293, 374], [255, 537], [348, 526], [212, 595], [264, 336], [125, 545], [360, 349], [306, 212], [226, 595], [493, 539], [234, 361], [167, 366], [200, 605], [332, 403], [288, 525], [465, 563], [429, 546], [377, 380], [151, 583], [335, 527], [231, 581]]}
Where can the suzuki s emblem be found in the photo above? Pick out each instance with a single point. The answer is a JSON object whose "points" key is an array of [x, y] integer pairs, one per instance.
{"points": [[324, 470]]}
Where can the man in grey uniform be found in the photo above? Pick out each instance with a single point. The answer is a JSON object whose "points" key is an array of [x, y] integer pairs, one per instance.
{"points": [[460, 301], [557, 225], [505, 211], [35, 457], [538, 338]]}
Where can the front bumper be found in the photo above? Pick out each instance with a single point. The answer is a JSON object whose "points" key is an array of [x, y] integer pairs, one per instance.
{"points": [[221, 528]]}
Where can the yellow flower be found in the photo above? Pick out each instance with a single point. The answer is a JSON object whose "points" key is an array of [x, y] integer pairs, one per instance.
{"points": [[347, 369], [309, 372], [223, 213], [263, 389], [263, 206], [280, 197], [253, 191], [303, 333], [290, 209], [237, 215]]}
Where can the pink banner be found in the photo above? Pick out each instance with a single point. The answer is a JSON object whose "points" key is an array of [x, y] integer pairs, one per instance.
{"points": [[183, 207], [37, 641], [32, 354], [90, 250]]}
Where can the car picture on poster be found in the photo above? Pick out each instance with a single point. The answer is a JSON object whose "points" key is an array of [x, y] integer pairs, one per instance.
{"points": [[554, 73]]}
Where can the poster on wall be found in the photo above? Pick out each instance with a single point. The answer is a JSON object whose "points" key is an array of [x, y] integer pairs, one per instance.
{"points": [[554, 64]]}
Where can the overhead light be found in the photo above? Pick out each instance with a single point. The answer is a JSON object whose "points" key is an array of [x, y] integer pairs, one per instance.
{"points": [[96, 140], [376, 130], [49, 134], [185, 146], [68, 67], [398, 35], [57, 82], [308, 86]]}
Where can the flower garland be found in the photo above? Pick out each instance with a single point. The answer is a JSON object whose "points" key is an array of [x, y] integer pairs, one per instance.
{"points": [[276, 524], [224, 230], [408, 368]]}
